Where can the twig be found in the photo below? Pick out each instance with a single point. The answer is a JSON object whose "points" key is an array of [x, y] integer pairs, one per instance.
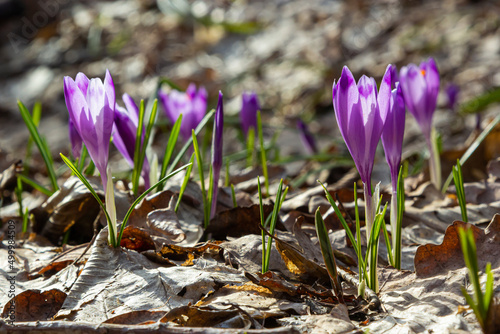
{"points": [[370, 296]]}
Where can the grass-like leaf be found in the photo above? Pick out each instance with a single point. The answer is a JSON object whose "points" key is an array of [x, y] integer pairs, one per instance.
{"points": [[92, 191], [45, 153], [144, 194], [233, 196], [472, 148], [481, 102], [206, 208], [261, 207], [328, 257], [459, 186], [137, 150], [481, 303], [250, 145], [35, 116], [262, 153], [274, 219], [32, 183], [185, 182], [399, 226], [169, 150], [183, 150]]}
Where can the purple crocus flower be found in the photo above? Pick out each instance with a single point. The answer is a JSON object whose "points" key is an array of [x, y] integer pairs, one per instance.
{"points": [[248, 115], [217, 152], [420, 87], [91, 107], [392, 135], [125, 132], [75, 139], [306, 137], [192, 104], [452, 91], [361, 116]]}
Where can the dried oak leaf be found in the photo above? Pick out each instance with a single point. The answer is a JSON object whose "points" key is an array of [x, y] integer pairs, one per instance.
{"points": [[137, 239], [34, 305], [136, 318], [193, 316], [237, 222], [431, 260], [184, 256]]}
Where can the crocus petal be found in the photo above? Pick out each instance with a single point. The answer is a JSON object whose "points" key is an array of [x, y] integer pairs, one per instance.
{"points": [[384, 94], [131, 108], [191, 104], [414, 91], [82, 82], [75, 102], [124, 134], [75, 139], [109, 88], [393, 133], [431, 77]]}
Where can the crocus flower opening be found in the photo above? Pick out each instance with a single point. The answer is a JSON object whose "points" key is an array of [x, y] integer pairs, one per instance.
{"points": [[420, 87], [192, 104], [361, 116], [125, 133], [307, 138], [91, 107], [217, 152], [75, 139], [248, 115], [392, 135]]}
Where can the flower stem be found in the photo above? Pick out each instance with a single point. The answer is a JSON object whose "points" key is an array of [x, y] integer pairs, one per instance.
{"points": [[434, 161]]}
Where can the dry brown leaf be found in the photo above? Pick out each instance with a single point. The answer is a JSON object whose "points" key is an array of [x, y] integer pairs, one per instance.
{"points": [[34, 305], [136, 318], [433, 259], [137, 239], [194, 316], [237, 222]]}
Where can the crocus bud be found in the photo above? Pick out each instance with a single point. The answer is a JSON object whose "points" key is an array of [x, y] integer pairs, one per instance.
{"points": [[91, 107], [248, 115], [452, 92], [306, 137], [392, 135], [192, 104]]}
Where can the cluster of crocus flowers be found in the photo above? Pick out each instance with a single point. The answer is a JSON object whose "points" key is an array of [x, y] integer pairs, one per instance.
{"points": [[420, 86], [126, 121], [192, 104], [91, 107]]}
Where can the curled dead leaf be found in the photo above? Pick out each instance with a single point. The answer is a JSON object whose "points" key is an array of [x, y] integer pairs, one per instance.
{"points": [[137, 239]]}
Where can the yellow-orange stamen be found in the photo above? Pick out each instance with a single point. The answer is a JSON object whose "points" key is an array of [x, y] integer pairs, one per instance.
{"points": [[423, 72]]}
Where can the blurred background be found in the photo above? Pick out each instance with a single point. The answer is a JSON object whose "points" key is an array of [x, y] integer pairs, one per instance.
{"points": [[289, 52]]}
